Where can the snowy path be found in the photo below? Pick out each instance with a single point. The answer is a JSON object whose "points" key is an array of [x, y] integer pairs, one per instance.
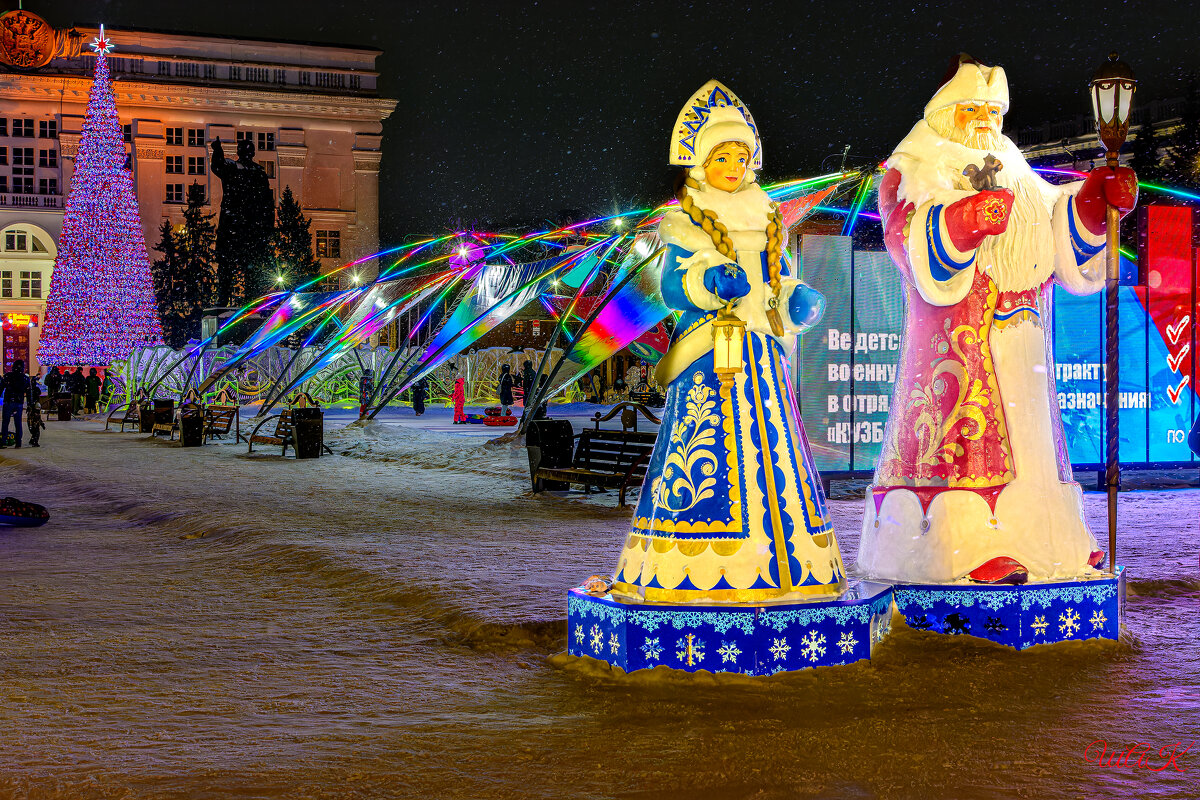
{"points": [[196, 622]]}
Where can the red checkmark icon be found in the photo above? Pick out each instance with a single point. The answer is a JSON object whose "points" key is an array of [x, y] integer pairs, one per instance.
{"points": [[1174, 391], [1177, 359], [1174, 331]]}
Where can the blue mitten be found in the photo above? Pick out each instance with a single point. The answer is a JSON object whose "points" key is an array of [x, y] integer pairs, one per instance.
{"points": [[727, 281], [805, 306]]}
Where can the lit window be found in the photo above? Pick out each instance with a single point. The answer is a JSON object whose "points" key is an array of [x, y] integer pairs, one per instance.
{"points": [[520, 326], [31, 284], [175, 137], [174, 192], [329, 244], [195, 165], [174, 165], [48, 129]]}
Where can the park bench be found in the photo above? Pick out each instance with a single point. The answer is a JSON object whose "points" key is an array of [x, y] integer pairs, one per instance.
{"points": [[603, 458], [643, 395], [128, 414], [283, 434], [223, 415]]}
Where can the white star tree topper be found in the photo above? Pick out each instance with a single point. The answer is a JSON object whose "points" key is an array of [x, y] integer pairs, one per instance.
{"points": [[102, 45]]}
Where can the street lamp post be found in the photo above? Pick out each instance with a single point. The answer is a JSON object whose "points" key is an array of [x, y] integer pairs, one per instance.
{"points": [[1111, 90]]}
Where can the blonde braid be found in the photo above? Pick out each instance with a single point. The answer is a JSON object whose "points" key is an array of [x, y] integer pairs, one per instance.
{"points": [[706, 220], [774, 266]]}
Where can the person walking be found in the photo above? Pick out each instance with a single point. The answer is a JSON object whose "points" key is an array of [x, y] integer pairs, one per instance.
{"points": [[459, 396], [506, 389], [34, 418], [77, 386], [92, 390], [16, 390], [527, 377], [420, 392]]}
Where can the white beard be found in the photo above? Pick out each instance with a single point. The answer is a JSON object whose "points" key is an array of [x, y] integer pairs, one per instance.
{"points": [[1023, 256]]}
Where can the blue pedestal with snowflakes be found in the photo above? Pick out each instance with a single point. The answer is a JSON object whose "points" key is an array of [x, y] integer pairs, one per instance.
{"points": [[1019, 616], [749, 639]]}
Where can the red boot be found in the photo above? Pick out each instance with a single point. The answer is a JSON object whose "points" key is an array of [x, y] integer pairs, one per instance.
{"points": [[1000, 569]]}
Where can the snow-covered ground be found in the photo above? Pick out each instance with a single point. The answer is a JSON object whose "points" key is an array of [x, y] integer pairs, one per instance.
{"points": [[383, 623]]}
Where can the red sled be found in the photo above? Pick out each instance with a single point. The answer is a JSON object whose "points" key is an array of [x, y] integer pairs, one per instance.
{"points": [[500, 421]]}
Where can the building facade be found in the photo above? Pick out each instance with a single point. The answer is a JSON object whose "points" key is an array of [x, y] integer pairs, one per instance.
{"points": [[312, 111]]}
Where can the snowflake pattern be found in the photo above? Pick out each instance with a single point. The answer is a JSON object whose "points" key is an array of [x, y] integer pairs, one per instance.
{"points": [[691, 650], [652, 649], [1068, 622], [1039, 625], [995, 625], [578, 634], [847, 642], [780, 648], [1098, 619], [812, 646], [614, 644], [597, 639], [729, 651]]}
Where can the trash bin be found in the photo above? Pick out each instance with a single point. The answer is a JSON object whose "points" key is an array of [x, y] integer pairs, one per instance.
{"points": [[63, 401], [164, 413], [548, 444], [191, 427], [145, 416], [308, 431]]}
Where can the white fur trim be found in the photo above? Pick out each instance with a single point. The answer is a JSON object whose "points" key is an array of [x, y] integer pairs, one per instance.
{"points": [[972, 82], [693, 281], [1078, 279], [930, 163], [935, 292]]}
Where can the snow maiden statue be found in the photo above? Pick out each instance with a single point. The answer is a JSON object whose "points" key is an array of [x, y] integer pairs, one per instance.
{"points": [[732, 508]]}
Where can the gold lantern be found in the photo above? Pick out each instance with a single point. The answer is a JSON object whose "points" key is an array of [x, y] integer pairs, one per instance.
{"points": [[728, 334]]}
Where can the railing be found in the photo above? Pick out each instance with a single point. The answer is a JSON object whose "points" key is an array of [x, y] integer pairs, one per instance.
{"points": [[31, 200]]}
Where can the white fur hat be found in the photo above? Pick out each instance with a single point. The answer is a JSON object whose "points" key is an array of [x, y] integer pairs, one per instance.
{"points": [[714, 114], [972, 81], [725, 124]]}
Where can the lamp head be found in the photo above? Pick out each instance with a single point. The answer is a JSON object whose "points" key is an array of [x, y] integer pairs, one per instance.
{"points": [[1111, 90]]}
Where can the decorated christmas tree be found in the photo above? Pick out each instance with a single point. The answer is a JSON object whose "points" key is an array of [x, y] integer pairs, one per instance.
{"points": [[101, 302]]}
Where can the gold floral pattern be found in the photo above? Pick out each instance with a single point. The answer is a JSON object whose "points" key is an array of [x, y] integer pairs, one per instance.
{"points": [[687, 476]]}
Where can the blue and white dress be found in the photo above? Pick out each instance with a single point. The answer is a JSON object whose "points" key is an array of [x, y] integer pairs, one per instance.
{"points": [[731, 509]]}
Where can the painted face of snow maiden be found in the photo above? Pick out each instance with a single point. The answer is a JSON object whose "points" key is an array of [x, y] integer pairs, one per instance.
{"points": [[726, 166]]}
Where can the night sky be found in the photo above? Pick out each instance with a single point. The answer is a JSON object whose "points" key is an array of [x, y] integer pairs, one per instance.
{"points": [[518, 112]]}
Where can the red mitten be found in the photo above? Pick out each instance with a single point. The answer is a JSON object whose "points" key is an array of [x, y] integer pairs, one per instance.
{"points": [[982, 214], [1106, 187]]}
